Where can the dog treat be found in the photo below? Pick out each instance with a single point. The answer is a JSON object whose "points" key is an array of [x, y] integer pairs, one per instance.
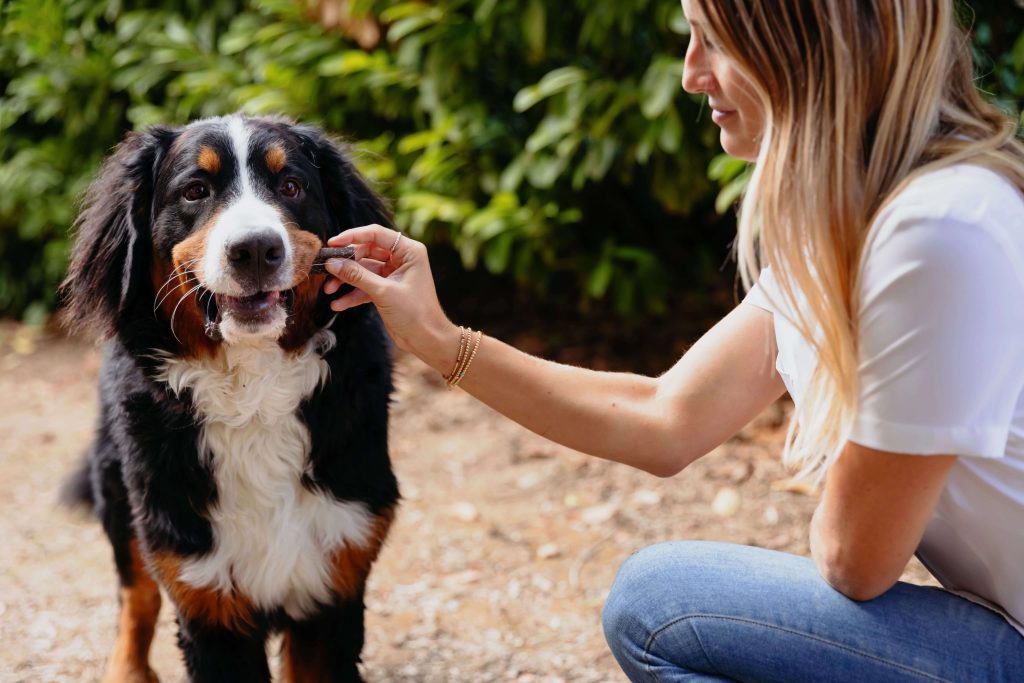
{"points": [[329, 253]]}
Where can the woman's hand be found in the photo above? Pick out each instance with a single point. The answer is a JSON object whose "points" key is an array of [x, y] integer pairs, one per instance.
{"points": [[392, 271]]}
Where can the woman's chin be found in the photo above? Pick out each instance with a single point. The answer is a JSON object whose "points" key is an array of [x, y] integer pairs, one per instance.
{"points": [[738, 146]]}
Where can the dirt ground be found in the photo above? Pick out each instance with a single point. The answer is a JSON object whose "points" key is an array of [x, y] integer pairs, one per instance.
{"points": [[496, 569]]}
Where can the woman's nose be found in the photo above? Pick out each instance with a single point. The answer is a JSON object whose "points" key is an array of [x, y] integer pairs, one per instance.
{"points": [[697, 76]]}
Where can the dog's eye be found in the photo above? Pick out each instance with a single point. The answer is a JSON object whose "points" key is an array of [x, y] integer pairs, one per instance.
{"points": [[290, 188], [195, 192]]}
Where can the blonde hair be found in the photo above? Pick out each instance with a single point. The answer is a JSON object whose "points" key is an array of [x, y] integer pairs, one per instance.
{"points": [[860, 97]]}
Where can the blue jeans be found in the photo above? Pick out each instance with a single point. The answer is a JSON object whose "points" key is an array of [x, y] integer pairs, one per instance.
{"points": [[695, 611]]}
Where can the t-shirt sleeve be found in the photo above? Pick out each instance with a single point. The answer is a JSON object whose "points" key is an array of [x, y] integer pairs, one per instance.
{"points": [[941, 340], [756, 296]]}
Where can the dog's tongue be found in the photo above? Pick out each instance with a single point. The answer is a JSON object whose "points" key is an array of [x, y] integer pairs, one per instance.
{"points": [[248, 306]]}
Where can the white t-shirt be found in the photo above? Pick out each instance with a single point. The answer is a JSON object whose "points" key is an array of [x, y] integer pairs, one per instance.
{"points": [[942, 367]]}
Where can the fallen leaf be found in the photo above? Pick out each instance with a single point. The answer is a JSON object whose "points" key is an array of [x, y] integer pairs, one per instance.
{"points": [[23, 345], [799, 486]]}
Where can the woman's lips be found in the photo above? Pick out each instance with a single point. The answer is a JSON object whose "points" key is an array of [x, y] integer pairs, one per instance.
{"points": [[719, 116]]}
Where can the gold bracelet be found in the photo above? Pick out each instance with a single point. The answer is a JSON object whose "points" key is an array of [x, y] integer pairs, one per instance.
{"points": [[461, 356], [465, 343], [456, 378], [463, 332]]}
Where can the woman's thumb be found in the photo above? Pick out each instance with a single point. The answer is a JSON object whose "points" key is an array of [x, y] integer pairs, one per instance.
{"points": [[350, 272]]}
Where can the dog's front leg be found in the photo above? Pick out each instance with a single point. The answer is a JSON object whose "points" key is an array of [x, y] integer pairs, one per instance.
{"points": [[325, 648], [214, 654]]}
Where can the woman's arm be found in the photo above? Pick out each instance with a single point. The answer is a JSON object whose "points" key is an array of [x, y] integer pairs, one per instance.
{"points": [[659, 425], [872, 515]]}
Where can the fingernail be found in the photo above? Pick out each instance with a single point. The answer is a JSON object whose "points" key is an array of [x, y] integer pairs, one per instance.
{"points": [[334, 266]]}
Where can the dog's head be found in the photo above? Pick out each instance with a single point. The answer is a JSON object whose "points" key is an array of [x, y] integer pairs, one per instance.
{"points": [[214, 227]]}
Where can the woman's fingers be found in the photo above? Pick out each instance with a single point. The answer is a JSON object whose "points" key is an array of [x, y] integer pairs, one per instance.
{"points": [[375, 266], [356, 297], [374, 235], [350, 300], [355, 274]]}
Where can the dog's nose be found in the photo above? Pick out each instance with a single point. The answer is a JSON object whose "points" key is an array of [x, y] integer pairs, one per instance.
{"points": [[256, 257]]}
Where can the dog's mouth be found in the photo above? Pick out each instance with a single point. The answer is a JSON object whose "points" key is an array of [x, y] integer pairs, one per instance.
{"points": [[251, 312]]}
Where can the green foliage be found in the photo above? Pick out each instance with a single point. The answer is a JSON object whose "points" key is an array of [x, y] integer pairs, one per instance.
{"points": [[549, 142], [999, 51], [546, 141]]}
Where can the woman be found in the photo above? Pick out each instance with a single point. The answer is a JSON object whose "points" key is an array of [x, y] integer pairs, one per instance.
{"points": [[885, 226]]}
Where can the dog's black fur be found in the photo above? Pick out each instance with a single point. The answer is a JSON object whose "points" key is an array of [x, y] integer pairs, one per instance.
{"points": [[144, 475]]}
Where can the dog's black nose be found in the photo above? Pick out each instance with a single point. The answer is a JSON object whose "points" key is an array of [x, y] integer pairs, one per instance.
{"points": [[256, 257]]}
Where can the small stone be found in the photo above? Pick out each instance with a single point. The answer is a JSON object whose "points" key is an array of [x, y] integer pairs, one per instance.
{"points": [[465, 512], [548, 551], [645, 498], [599, 514], [726, 502]]}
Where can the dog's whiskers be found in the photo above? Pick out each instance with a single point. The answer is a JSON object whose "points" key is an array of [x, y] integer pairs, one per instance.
{"points": [[175, 311], [170, 291], [180, 269]]}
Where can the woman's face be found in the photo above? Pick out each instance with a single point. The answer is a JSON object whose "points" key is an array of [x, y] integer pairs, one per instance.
{"points": [[733, 104]]}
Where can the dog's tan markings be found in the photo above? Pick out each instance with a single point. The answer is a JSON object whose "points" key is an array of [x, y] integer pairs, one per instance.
{"points": [[232, 611], [187, 256], [209, 160], [351, 563], [276, 157], [305, 247], [140, 606]]}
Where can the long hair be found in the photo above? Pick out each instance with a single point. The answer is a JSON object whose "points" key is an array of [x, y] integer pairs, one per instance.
{"points": [[860, 97]]}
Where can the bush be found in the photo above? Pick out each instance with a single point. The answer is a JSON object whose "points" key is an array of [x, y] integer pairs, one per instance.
{"points": [[546, 141]]}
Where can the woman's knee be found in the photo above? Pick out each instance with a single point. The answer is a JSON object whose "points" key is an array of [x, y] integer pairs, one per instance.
{"points": [[632, 609], [652, 589]]}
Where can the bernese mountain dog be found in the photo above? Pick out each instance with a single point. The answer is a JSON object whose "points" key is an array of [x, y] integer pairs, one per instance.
{"points": [[241, 456]]}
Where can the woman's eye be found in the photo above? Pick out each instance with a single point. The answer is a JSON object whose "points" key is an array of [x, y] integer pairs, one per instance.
{"points": [[290, 188], [195, 192]]}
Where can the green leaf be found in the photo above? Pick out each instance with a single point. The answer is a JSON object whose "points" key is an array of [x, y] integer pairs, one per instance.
{"points": [[552, 83], [409, 25], [600, 277], [535, 29], [497, 253], [724, 168], [660, 85], [732, 191]]}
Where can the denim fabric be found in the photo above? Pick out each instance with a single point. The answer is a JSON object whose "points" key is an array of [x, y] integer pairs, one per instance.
{"points": [[696, 611]]}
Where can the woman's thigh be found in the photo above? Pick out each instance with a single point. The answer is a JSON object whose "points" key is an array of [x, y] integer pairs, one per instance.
{"points": [[698, 611]]}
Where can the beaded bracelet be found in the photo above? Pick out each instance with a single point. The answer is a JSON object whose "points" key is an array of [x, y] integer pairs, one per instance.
{"points": [[469, 342]]}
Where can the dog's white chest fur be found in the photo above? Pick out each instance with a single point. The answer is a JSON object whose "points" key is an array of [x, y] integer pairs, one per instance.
{"points": [[273, 538]]}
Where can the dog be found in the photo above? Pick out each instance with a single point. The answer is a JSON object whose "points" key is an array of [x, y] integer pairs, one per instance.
{"points": [[241, 456]]}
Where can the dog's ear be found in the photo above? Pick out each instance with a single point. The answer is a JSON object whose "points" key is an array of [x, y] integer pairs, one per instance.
{"points": [[112, 242], [351, 201]]}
